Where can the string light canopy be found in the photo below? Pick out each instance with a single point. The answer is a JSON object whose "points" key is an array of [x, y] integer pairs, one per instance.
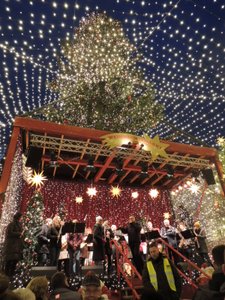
{"points": [[182, 50]]}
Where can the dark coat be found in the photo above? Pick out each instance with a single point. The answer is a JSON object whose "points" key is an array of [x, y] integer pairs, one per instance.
{"points": [[163, 285], [170, 234], [218, 279], [53, 235], [134, 236], [98, 243], [65, 294], [13, 247], [43, 240], [201, 237]]}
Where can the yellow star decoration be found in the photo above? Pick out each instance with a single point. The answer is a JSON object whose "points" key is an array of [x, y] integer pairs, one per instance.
{"points": [[115, 191], [79, 200], [91, 192], [166, 215], [155, 147], [38, 179], [113, 140]]}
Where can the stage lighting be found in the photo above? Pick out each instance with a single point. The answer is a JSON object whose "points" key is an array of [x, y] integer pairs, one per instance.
{"points": [[90, 165], [144, 170], [53, 160]]}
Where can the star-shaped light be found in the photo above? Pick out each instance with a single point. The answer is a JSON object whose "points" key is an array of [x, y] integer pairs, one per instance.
{"points": [[166, 215], [154, 193], [135, 195], [38, 179], [115, 191], [155, 147], [91, 191], [194, 188], [79, 199]]}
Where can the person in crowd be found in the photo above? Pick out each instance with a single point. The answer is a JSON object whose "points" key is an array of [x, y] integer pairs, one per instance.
{"points": [[204, 278], [108, 249], [218, 276], [43, 243], [54, 235], [169, 232], [64, 259], [134, 241], [60, 288], [200, 242], [74, 242], [98, 241], [150, 227], [160, 275], [185, 246], [93, 288], [39, 286], [13, 245], [24, 294], [83, 251], [4, 284]]}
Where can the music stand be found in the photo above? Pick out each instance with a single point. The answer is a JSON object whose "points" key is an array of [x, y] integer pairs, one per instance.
{"points": [[187, 234], [70, 227], [151, 235], [89, 239]]}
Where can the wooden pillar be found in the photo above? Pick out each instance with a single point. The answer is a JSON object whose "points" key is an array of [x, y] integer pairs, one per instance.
{"points": [[9, 160], [220, 172]]}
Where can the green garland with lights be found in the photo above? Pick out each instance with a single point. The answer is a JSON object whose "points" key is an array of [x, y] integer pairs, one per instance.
{"points": [[100, 83], [33, 221]]}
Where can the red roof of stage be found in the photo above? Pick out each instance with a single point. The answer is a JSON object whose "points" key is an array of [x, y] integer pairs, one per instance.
{"points": [[83, 154]]}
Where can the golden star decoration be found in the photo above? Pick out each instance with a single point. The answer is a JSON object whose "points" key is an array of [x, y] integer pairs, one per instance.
{"points": [[155, 147], [115, 191], [91, 191], [79, 199], [38, 179], [152, 145], [166, 215]]}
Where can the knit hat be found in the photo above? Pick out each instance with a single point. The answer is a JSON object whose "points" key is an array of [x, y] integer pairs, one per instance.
{"points": [[17, 216], [91, 279]]}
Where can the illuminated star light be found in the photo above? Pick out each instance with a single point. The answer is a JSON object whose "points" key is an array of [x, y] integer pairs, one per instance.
{"points": [[135, 195], [38, 179], [91, 191], [154, 193], [194, 188], [79, 199], [166, 215], [115, 191]]}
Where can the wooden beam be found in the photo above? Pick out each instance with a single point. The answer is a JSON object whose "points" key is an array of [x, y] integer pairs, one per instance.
{"points": [[9, 159], [88, 133], [105, 166], [54, 129], [220, 172]]}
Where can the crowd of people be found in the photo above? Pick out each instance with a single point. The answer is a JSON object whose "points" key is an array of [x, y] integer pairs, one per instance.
{"points": [[39, 288], [157, 264]]}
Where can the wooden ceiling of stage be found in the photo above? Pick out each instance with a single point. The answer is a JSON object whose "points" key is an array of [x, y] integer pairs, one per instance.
{"points": [[74, 148]]}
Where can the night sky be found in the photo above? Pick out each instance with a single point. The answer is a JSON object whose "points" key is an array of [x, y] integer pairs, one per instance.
{"points": [[183, 46]]}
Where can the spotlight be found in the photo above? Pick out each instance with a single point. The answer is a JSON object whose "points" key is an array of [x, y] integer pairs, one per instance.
{"points": [[90, 165], [144, 170], [119, 166], [53, 160], [170, 172]]}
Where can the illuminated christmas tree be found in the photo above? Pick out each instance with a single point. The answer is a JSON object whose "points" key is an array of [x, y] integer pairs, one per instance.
{"points": [[100, 82], [33, 221]]}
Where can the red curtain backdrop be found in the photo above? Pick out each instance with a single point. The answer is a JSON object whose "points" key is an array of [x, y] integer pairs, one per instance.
{"points": [[59, 196]]}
